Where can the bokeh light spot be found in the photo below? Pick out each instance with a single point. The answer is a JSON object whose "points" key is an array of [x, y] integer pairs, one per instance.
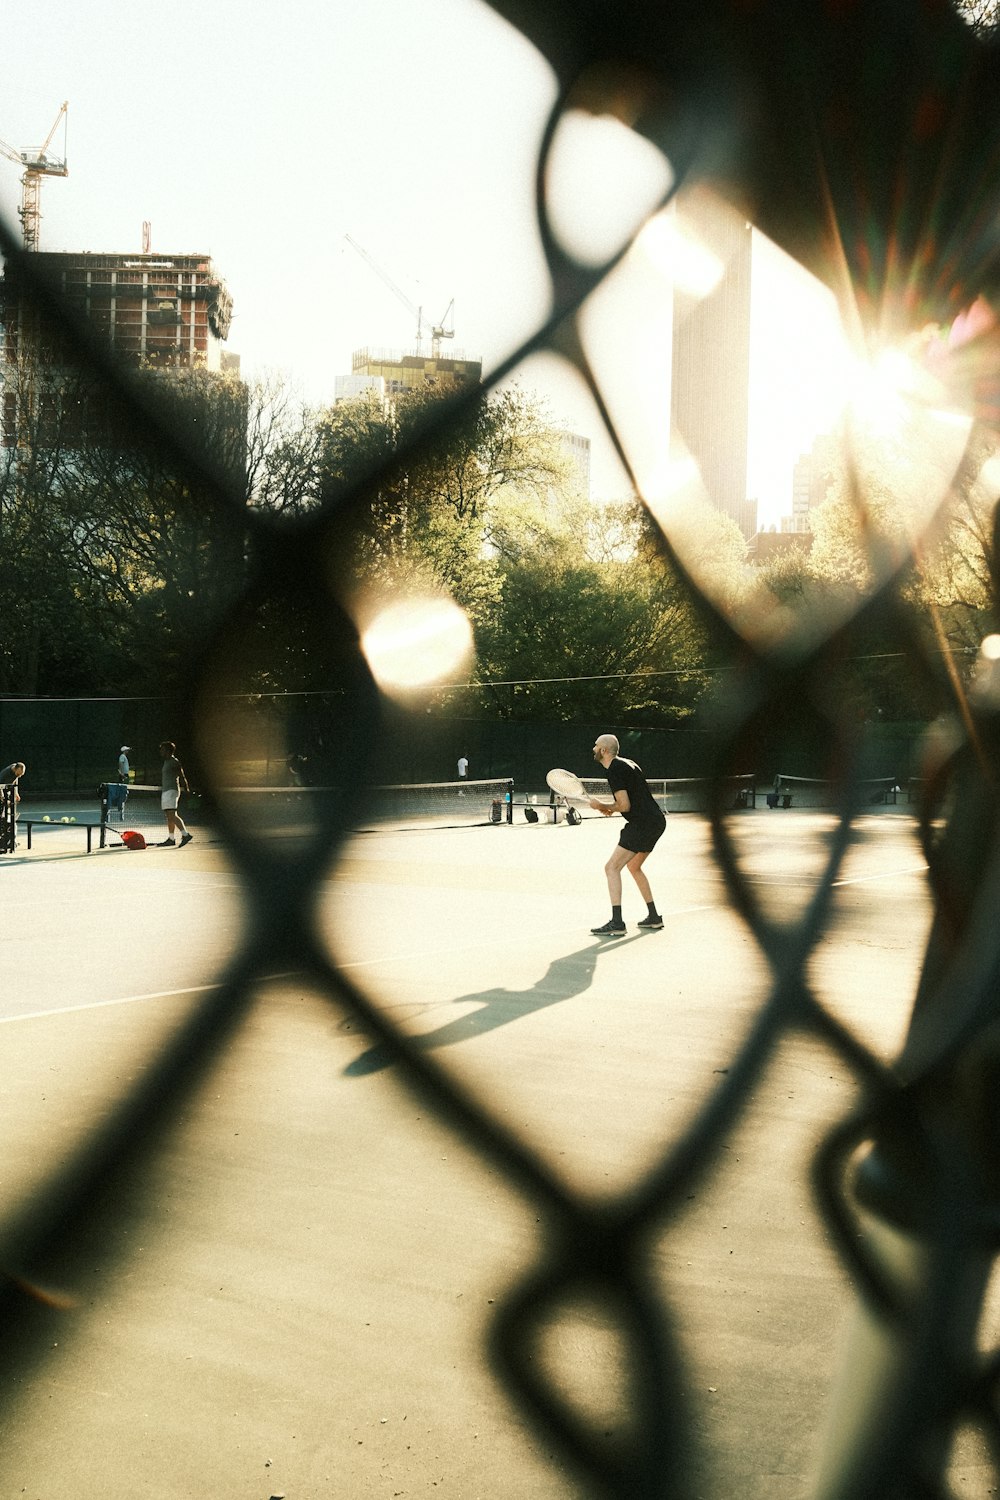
{"points": [[417, 642]]}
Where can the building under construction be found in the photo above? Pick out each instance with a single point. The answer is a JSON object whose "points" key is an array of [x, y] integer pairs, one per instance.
{"points": [[167, 311], [411, 371], [157, 312]]}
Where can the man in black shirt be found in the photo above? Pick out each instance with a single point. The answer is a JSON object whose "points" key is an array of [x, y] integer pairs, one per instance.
{"points": [[644, 823]]}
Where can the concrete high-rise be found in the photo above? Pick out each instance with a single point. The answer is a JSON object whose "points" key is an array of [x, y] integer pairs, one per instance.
{"points": [[710, 362], [170, 311], [158, 312]]}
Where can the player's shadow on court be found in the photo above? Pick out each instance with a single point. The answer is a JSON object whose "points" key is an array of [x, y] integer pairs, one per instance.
{"points": [[564, 978]]}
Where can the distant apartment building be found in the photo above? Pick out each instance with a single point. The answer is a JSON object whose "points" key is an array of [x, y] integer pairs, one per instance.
{"points": [[352, 387], [577, 449], [811, 478], [710, 360], [409, 371], [160, 312], [745, 516]]}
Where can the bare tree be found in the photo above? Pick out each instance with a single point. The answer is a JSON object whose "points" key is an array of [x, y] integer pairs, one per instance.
{"points": [[981, 15]]}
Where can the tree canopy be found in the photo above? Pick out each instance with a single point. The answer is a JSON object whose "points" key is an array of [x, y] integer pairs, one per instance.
{"points": [[122, 550]]}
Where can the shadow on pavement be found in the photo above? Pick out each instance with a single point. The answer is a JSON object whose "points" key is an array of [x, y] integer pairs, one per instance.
{"points": [[564, 978]]}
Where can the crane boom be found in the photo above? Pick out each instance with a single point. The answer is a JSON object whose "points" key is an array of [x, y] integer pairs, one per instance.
{"points": [[438, 330], [37, 164], [384, 276]]}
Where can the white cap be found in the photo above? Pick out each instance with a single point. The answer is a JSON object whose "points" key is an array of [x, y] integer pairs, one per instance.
{"points": [[124, 748]]}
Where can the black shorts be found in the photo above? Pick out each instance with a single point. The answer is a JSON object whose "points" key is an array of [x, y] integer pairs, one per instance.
{"points": [[640, 838]]}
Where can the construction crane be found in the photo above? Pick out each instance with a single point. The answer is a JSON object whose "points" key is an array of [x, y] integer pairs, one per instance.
{"points": [[438, 330], [37, 164]]}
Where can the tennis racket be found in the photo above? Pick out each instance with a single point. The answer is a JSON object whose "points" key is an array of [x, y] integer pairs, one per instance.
{"points": [[572, 790], [569, 786]]}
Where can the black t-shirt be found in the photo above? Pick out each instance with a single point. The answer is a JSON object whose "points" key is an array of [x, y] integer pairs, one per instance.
{"points": [[625, 776]]}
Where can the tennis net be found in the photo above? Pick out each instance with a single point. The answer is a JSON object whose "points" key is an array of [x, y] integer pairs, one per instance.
{"points": [[299, 810], [137, 808], [688, 793], [812, 791], [440, 804]]}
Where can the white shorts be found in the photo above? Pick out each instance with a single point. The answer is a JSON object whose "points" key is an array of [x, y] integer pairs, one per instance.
{"points": [[168, 801]]}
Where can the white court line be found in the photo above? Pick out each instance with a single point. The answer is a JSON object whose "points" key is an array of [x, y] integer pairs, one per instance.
{"points": [[201, 989], [852, 880], [191, 989], [72, 897], [886, 875]]}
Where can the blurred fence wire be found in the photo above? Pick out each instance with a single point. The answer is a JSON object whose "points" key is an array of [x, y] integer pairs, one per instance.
{"points": [[863, 139]]}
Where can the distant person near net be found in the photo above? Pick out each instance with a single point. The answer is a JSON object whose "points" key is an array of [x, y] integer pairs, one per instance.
{"points": [[298, 767], [9, 798], [118, 791], [463, 772], [644, 823], [173, 782]]}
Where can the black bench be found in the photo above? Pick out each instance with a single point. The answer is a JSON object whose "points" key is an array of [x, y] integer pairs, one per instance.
{"points": [[29, 823]]}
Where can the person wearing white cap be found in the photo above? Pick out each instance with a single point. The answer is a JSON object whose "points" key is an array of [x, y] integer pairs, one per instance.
{"points": [[117, 791]]}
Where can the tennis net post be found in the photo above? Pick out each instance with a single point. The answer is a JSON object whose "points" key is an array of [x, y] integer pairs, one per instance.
{"points": [[8, 820]]}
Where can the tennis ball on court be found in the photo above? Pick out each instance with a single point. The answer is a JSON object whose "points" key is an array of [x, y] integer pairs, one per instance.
{"points": [[72, 820], [64, 820], [46, 819]]}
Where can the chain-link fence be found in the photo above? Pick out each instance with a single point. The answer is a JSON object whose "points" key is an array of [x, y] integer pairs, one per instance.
{"points": [[862, 138]]}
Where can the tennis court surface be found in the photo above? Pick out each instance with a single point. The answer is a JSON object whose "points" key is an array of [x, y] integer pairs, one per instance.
{"points": [[290, 1297]]}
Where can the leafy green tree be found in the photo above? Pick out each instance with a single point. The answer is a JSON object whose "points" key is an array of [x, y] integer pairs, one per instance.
{"points": [[446, 482], [958, 566], [592, 620], [486, 506], [711, 547]]}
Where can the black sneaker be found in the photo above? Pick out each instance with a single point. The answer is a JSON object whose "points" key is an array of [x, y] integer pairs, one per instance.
{"points": [[166, 844], [186, 839], [610, 929], [651, 924]]}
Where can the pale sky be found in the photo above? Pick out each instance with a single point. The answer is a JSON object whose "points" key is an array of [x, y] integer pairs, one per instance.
{"points": [[261, 136]]}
